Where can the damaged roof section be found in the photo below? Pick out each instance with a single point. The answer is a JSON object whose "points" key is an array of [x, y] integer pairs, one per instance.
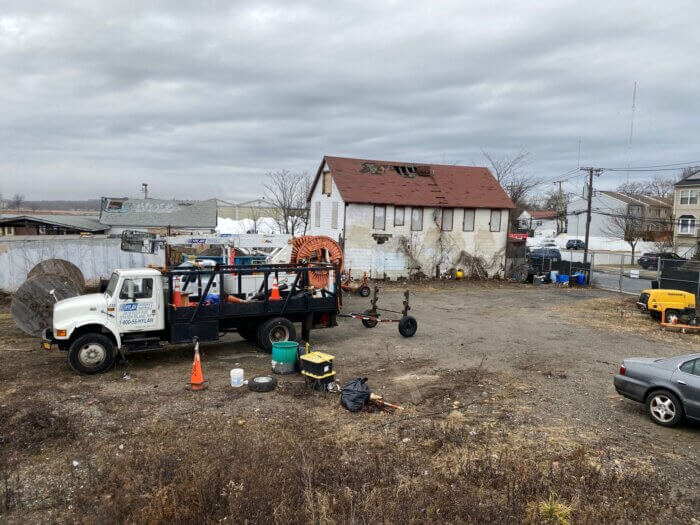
{"points": [[414, 184], [158, 213]]}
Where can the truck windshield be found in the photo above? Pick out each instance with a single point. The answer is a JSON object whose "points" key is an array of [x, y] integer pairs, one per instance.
{"points": [[112, 285]]}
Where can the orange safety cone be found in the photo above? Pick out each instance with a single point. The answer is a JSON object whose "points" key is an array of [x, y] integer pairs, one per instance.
{"points": [[197, 377], [177, 294], [275, 293]]}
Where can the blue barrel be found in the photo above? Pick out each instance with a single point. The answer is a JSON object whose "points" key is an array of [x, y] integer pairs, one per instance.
{"points": [[562, 278]]}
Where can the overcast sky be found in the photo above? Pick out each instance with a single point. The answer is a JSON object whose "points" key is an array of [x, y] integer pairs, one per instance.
{"points": [[202, 98]]}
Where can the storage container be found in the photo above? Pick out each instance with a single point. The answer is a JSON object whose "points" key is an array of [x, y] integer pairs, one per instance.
{"points": [[316, 364], [284, 356]]}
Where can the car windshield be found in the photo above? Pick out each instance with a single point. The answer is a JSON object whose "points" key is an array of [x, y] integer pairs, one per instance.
{"points": [[112, 285]]}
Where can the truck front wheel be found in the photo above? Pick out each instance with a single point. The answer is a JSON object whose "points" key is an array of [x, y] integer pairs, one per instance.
{"points": [[91, 353]]}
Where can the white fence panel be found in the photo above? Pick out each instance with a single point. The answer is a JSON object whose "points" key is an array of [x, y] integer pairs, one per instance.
{"points": [[96, 257]]}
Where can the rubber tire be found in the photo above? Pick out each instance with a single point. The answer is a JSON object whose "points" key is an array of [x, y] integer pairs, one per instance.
{"points": [[93, 337], [268, 385], [674, 399], [365, 291], [249, 333], [408, 326], [266, 328], [672, 312], [367, 323]]}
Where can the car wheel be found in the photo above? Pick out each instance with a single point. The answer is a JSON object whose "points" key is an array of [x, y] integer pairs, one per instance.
{"points": [[672, 316], [91, 353], [664, 408], [275, 330], [262, 384], [368, 322], [408, 326]]}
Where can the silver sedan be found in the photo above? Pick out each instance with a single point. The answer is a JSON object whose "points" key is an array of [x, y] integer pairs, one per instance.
{"points": [[669, 387]]}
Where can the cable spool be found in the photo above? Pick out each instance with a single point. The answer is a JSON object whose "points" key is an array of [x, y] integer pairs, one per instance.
{"points": [[311, 249], [32, 304], [59, 267]]}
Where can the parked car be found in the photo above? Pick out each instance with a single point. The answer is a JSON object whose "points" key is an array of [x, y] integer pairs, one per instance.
{"points": [[548, 243], [650, 260], [575, 244], [670, 388]]}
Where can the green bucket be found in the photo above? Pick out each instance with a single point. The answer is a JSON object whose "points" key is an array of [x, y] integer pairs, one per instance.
{"points": [[284, 356]]}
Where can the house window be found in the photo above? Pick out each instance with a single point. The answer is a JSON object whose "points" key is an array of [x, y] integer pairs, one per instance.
{"points": [[689, 197], [495, 220], [379, 218], [327, 183], [334, 217], [317, 214], [468, 222], [399, 212], [686, 224], [416, 219], [447, 216]]}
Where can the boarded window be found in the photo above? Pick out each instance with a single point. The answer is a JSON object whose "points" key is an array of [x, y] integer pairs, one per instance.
{"points": [[334, 218], [416, 219], [495, 220], [379, 217], [317, 214], [447, 216], [327, 183], [399, 212], [468, 222]]}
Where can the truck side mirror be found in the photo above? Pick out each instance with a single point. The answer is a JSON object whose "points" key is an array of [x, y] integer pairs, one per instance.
{"points": [[130, 293]]}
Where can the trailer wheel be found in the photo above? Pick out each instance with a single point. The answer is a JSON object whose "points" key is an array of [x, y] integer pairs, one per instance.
{"points": [[364, 291], [408, 326], [672, 316], [91, 353], [275, 330], [367, 322]]}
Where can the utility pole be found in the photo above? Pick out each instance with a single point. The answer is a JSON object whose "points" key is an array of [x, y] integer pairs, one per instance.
{"points": [[591, 172], [144, 190]]}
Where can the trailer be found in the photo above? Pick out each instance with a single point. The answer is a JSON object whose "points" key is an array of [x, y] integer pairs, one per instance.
{"points": [[142, 308]]}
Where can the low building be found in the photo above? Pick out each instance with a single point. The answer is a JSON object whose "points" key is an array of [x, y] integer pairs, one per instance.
{"points": [[396, 219], [254, 209], [653, 214], [58, 224], [686, 210], [158, 216], [540, 223]]}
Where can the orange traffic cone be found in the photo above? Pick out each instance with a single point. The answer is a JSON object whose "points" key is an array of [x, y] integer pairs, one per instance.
{"points": [[275, 293], [177, 295], [197, 377]]}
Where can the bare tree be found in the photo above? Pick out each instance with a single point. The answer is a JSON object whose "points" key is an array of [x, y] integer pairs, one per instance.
{"points": [[510, 174], [17, 200], [659, 186], [288, 192], [625, 226], [632, 188], [688, 171], [256, 213]]}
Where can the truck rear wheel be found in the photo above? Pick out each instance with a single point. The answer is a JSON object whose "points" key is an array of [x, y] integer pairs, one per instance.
{"points": [[274, 330], [91, 353]]}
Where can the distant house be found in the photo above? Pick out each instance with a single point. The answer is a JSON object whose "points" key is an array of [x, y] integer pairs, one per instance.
{"points": [[543, 223], [655, 214], [158, 216], [253, 209], [397, 218], [58, 224], [686, 209]]}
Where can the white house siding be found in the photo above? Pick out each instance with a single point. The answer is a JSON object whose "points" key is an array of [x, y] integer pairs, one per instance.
{"points": [[363, 253], [576, 215], [326, 203]]}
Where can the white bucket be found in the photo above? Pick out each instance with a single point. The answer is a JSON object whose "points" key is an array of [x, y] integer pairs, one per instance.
{"points": [[553, 276], [236, 377]]}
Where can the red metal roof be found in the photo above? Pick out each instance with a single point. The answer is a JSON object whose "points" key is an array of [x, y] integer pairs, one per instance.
{"points": [[414, 184], [545, 214]]}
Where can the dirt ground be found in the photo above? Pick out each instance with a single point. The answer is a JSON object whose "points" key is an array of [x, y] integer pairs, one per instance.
{"points": [[510, 416]]}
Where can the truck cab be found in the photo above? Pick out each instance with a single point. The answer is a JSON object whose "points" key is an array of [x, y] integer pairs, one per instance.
{"points": [[94, 327]]}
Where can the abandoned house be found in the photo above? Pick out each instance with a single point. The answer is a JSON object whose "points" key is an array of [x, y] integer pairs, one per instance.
{"points": [[398, 219], [158, 216]]}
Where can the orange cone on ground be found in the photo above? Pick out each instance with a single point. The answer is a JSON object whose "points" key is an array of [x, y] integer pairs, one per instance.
{"points": [[196, 377], [275, 293]]}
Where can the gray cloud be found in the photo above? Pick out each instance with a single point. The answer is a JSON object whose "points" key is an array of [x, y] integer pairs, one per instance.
{"points": [[202, 98]]}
